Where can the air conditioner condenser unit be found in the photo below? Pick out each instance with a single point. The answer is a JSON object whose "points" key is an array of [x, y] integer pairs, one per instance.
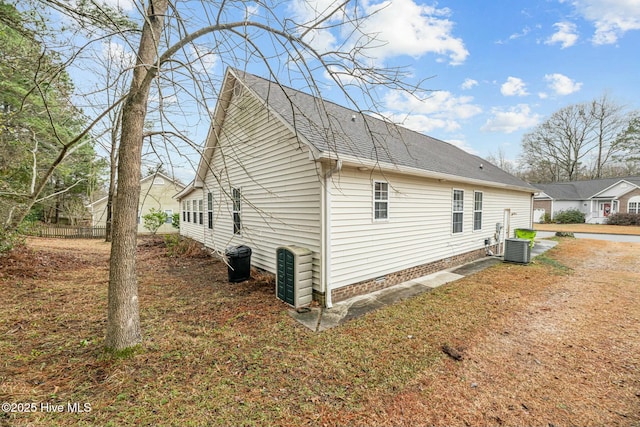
{"points": [[517, 250]]}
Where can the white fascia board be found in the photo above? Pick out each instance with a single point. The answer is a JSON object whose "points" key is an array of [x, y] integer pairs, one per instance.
{"points": [[390, 167], [187, 190]]}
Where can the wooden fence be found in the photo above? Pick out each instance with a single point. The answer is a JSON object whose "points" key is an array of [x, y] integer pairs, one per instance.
{"points": [[68, 231]]}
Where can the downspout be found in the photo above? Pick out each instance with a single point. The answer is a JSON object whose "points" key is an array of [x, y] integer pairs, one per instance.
{"points": [[326, 259]]}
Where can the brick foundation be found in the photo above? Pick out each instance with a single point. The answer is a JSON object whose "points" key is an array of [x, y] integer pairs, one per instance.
{"points": [[398, 277]]}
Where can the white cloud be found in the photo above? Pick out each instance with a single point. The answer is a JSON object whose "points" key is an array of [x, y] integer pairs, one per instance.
{"points": [[468, 84], [524, 32], [611, 18], [565, 34], [202, 58], [441, 103], [117, 55], [511, 120], [398, 27], [561, 84], [442, 110], [125, 5], [514, 86]]}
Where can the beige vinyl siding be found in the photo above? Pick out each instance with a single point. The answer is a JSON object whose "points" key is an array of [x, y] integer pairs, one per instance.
{"points": [[280, 186], [419, 227], [189, 228]]}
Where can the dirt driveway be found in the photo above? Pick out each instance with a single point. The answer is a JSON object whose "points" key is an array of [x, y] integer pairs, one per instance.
{"points": [[569, 357]]}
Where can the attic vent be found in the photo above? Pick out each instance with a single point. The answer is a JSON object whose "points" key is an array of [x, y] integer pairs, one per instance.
{"points": [[237, 89], [158, 181]]}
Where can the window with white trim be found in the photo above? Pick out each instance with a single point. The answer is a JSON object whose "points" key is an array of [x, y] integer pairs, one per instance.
{"points": [[380, 200], [236, 196], [194, 207], [634, 205], [169, 213], [184, 211], [200, 212], [458, 211], [188, 210], [210, 210], [477, 210]]}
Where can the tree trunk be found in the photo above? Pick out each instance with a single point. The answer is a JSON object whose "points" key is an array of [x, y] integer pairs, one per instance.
{"points": [[113, 164], [123, 321]]}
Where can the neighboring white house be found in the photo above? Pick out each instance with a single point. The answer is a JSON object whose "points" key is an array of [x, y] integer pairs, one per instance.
{"points": [[156, 191], [375, 203], [597, 199]]}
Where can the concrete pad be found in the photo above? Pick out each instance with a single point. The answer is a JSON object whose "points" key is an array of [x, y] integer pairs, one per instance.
{"points": [[320, 319], [438, 279], [309, 318]]}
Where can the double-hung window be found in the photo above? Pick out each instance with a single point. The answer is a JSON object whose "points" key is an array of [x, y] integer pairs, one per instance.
{"points": [[236, 196], [477, 210], [210, 210], [188, 210], [195, 211], [634, 205], [380, 200], [184, 211], [169, 218], [200, 212], [458, 210]]}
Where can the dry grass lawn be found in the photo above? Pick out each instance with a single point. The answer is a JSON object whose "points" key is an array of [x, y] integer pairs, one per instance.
{"points": [[555, 342]]}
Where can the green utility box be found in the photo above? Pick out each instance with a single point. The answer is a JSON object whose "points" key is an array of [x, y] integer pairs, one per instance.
{"points": [[294, 275], [526, 233]]}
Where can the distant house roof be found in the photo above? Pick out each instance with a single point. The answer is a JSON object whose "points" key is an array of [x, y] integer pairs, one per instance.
{"points": [[336, 132], [583, 190]]}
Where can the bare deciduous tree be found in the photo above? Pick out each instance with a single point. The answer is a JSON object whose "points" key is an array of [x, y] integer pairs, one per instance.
{"points": [[577, 141], [175, 49]]}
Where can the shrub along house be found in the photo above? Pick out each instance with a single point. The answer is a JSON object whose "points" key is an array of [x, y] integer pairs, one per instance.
{"points": [[596, 199], [375, 204]]}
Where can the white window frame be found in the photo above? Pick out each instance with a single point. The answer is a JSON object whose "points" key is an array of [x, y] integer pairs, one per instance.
{"points": [[635, 200], [457, 208], [169, 213], [210, 211], [236, 201], [380, 198], [477, 211]]}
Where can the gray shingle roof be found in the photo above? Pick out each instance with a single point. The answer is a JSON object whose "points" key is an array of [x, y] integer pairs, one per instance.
{"points": [[582, 190], [339, 131]]}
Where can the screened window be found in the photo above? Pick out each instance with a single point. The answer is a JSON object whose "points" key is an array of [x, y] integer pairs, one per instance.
{"points": [[458, 210], [380, 200], [477, 210], [237, 207], [210, 210]]}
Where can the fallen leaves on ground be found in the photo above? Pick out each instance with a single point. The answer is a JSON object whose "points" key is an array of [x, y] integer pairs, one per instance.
{"points": [[553, 342]]}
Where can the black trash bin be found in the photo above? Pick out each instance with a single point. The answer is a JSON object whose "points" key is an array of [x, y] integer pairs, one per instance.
{"points": [[239, 258]]}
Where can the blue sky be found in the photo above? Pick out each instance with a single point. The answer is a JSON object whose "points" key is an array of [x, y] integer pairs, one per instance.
{"points": [[497, 68], [502, 67]]}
